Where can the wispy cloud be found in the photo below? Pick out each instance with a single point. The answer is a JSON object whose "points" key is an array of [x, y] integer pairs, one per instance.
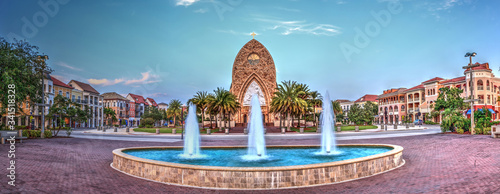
{"points": [[104, 82], [301, 27], [158, 95], [147, 78], [202, 10], [438, 8], [63, 64], [287, 9], [185, 2]]}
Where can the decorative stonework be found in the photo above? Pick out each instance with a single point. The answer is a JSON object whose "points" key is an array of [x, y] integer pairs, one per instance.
{"points": [[245, 75], [257, 177], [254, 88]]}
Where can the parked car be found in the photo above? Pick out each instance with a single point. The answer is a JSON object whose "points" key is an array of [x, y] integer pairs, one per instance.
{"points": [[418, 122]]}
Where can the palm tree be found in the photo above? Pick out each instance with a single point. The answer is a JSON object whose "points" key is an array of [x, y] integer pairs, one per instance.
{"points": [[304, 95], [315, 99], [174, 109], [337, 109], [287, 99], [224, 102], [201, 101]]}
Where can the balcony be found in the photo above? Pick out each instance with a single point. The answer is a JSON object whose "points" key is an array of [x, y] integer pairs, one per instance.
{"points": [[410, 110], [85, 102], [480, 88]]}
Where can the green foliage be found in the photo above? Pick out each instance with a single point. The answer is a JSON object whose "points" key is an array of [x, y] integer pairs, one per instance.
{"points": [[174, 110], [110, 115], [147, 121], [487, 130], [452, 119], [202, 100], [449, 98], [123, 122], [47, 133], [430, 123], [224, 102], [460, 131], [290, 99], [69, 130], [20, 66], [32, 133], [153, 113], [363, 115]]}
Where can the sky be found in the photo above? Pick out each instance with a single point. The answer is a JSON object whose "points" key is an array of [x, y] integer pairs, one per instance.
{"points": [[172, 49]]}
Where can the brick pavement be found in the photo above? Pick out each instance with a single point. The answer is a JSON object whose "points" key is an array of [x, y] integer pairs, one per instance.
{"points": [[441, 163]]}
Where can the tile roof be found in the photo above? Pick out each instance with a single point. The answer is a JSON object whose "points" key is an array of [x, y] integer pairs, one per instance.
{"points": [[153, 103], [485, 66], [433, 80], [367, 97], [419, 87], [86, 87], [458, 79], [60, 83], [398, 91], [341, 100], [138, 99], [113, 95], [163, 103]]}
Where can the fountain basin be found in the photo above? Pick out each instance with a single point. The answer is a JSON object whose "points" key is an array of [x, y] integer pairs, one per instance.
{"points": [[258, 177]]}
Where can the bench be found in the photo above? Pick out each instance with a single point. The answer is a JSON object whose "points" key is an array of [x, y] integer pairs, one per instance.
{"points": [[494, 132], [5, 135]]}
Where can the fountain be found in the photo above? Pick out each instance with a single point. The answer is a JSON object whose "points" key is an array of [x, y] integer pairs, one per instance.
{"points": [[256, 142], [262, 167], [327, 123], [192, 137]]}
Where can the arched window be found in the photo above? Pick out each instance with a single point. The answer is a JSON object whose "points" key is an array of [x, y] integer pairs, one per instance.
{"points": [[395, 108], [487, 84], [390, 108], [480, 85]]}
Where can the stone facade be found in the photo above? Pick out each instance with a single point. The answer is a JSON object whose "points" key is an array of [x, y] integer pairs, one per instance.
{"points": [[253, 72], [258, 177]]}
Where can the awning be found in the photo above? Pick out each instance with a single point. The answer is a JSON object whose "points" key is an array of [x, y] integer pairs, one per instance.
{"points": [[492, 111]]}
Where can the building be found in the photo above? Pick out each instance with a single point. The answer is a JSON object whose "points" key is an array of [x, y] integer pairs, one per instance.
{"points": [[366, 98], [140, 105], [163, 106], [254, 72], [120, 105], [64, 90], [392, 106], [151, 102], [91, 101], [415, 97]]}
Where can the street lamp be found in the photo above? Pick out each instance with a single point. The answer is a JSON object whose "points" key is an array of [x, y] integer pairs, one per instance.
{"points": [[471, 100], [42, 58]]}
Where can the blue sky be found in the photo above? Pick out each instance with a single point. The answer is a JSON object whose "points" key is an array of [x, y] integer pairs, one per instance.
{"points": [[171, 49]]}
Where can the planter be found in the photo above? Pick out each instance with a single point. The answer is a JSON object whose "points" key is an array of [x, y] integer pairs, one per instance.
{"points": [[174, 131], [339, 129], [356, 128], [209, 131], [157, 131]]}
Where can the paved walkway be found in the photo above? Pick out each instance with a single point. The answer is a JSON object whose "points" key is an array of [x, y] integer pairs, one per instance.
{"points": [[437, 163]]}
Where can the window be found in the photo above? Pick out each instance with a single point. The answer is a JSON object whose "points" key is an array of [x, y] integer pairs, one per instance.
{"points": [[67, 94], [60, 92], [73, 98], [480, 85], [50, 88]]}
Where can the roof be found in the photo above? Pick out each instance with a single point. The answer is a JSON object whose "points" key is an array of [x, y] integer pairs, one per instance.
{"points": [[163, 104], [396, 92], [433, 80], [113, 95], [367, 97], [454, 80], [86, 87], [419, 87], [484, 66], [342, 100], [59, 83], [153, 103], [138, 99]]}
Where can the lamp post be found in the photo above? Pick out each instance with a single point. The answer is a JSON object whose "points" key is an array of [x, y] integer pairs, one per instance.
{"points": [[43, 58], [471, 100]]}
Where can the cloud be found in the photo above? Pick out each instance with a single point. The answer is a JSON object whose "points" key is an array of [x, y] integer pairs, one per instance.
{"points": [[185, 2], [201, 11], [237, 33], [147, 78], [104, 82], [301, 27], [63, 64], [158, 95]]}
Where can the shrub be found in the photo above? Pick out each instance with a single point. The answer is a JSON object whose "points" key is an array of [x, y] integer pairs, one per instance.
{"points": [[149, 126], [68, 130], [48, 133], [147, 121], [487, 130], [479, 130], [32, 133], [430, 123], [460, 131]]}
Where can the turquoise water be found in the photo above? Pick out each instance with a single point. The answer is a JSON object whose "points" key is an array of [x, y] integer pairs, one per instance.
{"points": [[275, 156]]}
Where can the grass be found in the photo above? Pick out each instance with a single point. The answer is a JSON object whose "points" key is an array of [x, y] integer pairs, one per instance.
{"points": [[343, 128], [164, 130]]}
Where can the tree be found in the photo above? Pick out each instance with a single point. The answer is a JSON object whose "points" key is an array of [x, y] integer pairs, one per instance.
{"points": [[60, 110], [174, 109], [370, 109], [287, 99], [153, 113], [201, 100], [450, 98], [225, 103], [315, 100], [110, 115], [20, 67], [355, 114]]}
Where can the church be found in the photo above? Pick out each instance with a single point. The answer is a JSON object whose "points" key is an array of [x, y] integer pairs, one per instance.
{"points": [[253, 73]]}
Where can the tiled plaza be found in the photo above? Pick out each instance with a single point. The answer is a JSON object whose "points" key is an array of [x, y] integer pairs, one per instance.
{"points": [[434, 163]]}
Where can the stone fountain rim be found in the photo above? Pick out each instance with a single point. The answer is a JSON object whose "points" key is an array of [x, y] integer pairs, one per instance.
{"points": [[396, 149]]}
